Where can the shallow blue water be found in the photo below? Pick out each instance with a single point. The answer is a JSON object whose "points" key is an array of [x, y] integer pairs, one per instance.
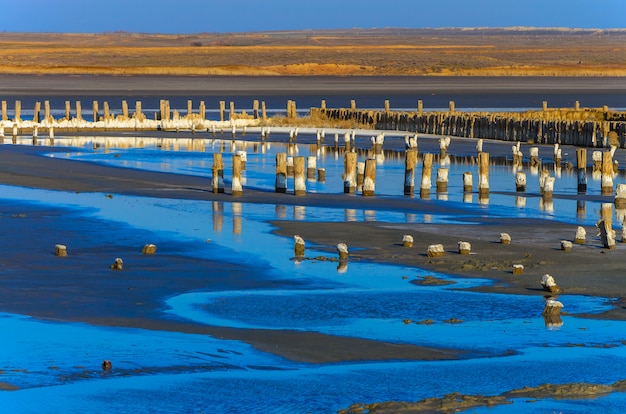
{"points": [[163, 372]]}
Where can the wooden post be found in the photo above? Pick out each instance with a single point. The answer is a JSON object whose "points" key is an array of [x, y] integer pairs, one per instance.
{"points": [[548, 187], [311, 167], [255, 109], [520, 181], [420, 106], [18, 111], [410, 161], [369, 183], [46, 111], [386, 105], [222, 110], [94, 108], [620, 196], [231, 112], [451, 106], [483, 173], [217, 180], [37, 114], [105, 111], [360, 173], [427, 165], [79, 111], [263, 111], [349, 172], [353, 104], [5, 116], [237, 188], [544, 106], [125, 109], [467, 182], [68, 114], [202, 110], [442, 180], [281, 172], [607, 173], [581, 160], [605, 226], [138, 113], [323, 104], [189, 108], [299, 183]]}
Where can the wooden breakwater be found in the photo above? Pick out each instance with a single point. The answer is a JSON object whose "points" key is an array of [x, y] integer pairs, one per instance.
{"points": [[585, 127]]}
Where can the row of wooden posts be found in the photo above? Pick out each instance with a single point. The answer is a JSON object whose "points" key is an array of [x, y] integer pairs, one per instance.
{"points": [[363, 174], [165, 111], [542, 127]]}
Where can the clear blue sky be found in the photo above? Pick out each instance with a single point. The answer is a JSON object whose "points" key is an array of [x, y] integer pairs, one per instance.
{"points": [[195, 16]]}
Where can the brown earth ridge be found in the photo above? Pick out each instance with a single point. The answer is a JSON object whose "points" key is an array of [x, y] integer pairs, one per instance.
{"points": [[353, 52]]}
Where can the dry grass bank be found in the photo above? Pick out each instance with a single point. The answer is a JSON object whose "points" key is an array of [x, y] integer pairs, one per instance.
{"points": [[433, 52]]}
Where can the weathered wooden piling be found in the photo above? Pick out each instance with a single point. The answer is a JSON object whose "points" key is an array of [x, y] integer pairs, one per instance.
{"points": [[94, 109], [548, 187], [298, 246], [222, 110], [483, 173], [281, 172], [237, 188], [5, 115], [369, 182], [533, 153], [46, 111], [349, 172], [18, 111], [124, 109], [37, 112], [360, 173], [549, 284], [520, 181], [311, 167], [299, 181], [118, 264], [407, 240], [605, 226], [442, 180], [231, 111], [581, 235], [505, 238], [342, 249], [410, 161], [435, 250], [467, 182], [217, 172], [464, 247], [518, 269], [60, 250], [607, 173], [426, 182], [581, 165], [620, 196]]}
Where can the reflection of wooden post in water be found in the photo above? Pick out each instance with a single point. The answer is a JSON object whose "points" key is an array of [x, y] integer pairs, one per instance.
{"points": [[218, 216], [237, 222], [520, 181], [311, 167], [483, 173], [346, 141], [533, 153], [581, 208], [360, 173], [217, 180], [426, 183], [581, 165], [290, 166], [410, 161], [281, 172], [467, 182], [607, 173], [237, 188], [557, 155], [605, 226], [369, 182], [442, 180], [444, 144], [349, 172], [299, 181]]}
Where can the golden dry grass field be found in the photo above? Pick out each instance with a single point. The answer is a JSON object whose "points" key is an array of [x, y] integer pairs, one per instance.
{"points": [[356, 52]]}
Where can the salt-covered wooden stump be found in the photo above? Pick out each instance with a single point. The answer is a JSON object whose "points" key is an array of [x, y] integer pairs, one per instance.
{"points": [[60, 250], [464, 247], [505, 238], [426, 183], [552, 307], [566, 245], [442, 180], [298, 246], [549, 284], [369, 182], [342, 249], [118, 264], [107, 365], [149, 249], [435, 250], [483, 173], [407, 240], [349, 172], [299, 181], [467, 182], [620, 196], [581, 235], [518, 269], [606, 233], [520, 181], [236, 187]]}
